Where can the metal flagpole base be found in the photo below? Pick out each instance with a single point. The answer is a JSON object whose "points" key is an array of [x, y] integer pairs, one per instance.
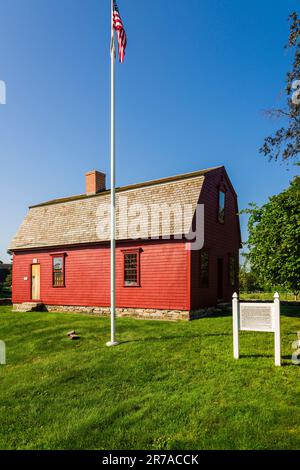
{"points": [[110, 344]]}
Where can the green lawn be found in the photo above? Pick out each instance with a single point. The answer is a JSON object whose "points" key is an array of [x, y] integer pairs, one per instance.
{"points": [[286, 296], [167, 386]]}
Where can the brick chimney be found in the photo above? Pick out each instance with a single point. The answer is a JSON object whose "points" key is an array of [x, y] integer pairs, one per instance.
{"points": [[95, 182]]}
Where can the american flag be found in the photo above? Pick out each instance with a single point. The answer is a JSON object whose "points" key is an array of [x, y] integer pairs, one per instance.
{"points": [[119, 28]]}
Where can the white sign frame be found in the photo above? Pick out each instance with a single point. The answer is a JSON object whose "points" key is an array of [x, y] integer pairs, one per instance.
{"points": [[273, 327]]}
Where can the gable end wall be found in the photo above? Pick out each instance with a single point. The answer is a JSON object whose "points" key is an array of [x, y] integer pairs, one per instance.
{"points": [[219, 239]]}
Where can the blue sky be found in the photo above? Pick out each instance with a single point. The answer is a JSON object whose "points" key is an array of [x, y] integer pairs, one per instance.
{"points": [[198, 75]]}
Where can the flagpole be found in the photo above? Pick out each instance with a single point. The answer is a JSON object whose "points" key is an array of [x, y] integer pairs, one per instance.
{"points": [[113, 341]]}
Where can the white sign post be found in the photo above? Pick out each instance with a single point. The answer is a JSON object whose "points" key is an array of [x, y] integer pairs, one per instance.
{"points": [[256, 317]]}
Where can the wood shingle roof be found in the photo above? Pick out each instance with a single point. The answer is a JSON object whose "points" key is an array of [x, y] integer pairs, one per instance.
{"points": [[76, 220]]}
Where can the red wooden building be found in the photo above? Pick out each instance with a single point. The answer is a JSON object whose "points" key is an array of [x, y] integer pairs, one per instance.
{"points": [[61, 253]]}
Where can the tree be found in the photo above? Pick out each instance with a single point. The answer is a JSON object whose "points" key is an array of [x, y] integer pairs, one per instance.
{"points": [[247, 280], [285, 143], [274, 239], [8, 281], [5, 286]]}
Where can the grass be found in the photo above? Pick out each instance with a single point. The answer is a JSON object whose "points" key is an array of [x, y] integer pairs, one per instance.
{"points": [[167, 386], [286, 296]]}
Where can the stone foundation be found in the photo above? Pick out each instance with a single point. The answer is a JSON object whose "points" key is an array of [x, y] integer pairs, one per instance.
{"points": [[140, 313], [28, 307]]}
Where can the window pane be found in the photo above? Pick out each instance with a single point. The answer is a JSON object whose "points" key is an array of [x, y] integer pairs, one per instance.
{"points": [[58, 264], [58, 272], [131, 269], [221, 206]]}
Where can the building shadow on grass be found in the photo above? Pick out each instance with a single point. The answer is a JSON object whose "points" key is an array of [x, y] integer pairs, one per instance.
{"points": [[291, 313], [250, 356], [269, 356], [217, 315]]}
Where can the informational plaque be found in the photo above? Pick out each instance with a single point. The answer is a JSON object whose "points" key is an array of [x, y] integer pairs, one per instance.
{"points": [[257, 317]]}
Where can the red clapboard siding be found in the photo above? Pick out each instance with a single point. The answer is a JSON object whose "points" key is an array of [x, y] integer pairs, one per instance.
{"points": [[219, 239], [163, 269]]}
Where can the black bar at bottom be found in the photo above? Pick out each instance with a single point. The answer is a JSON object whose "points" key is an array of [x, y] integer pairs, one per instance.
{"points": [[136, 459]]}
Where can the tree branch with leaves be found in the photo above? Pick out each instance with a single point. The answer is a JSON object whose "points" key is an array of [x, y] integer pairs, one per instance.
{"points": [[285, 143]]}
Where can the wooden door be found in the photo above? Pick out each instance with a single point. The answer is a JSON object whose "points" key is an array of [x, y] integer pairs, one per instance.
{"points": [[35, 282]]}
